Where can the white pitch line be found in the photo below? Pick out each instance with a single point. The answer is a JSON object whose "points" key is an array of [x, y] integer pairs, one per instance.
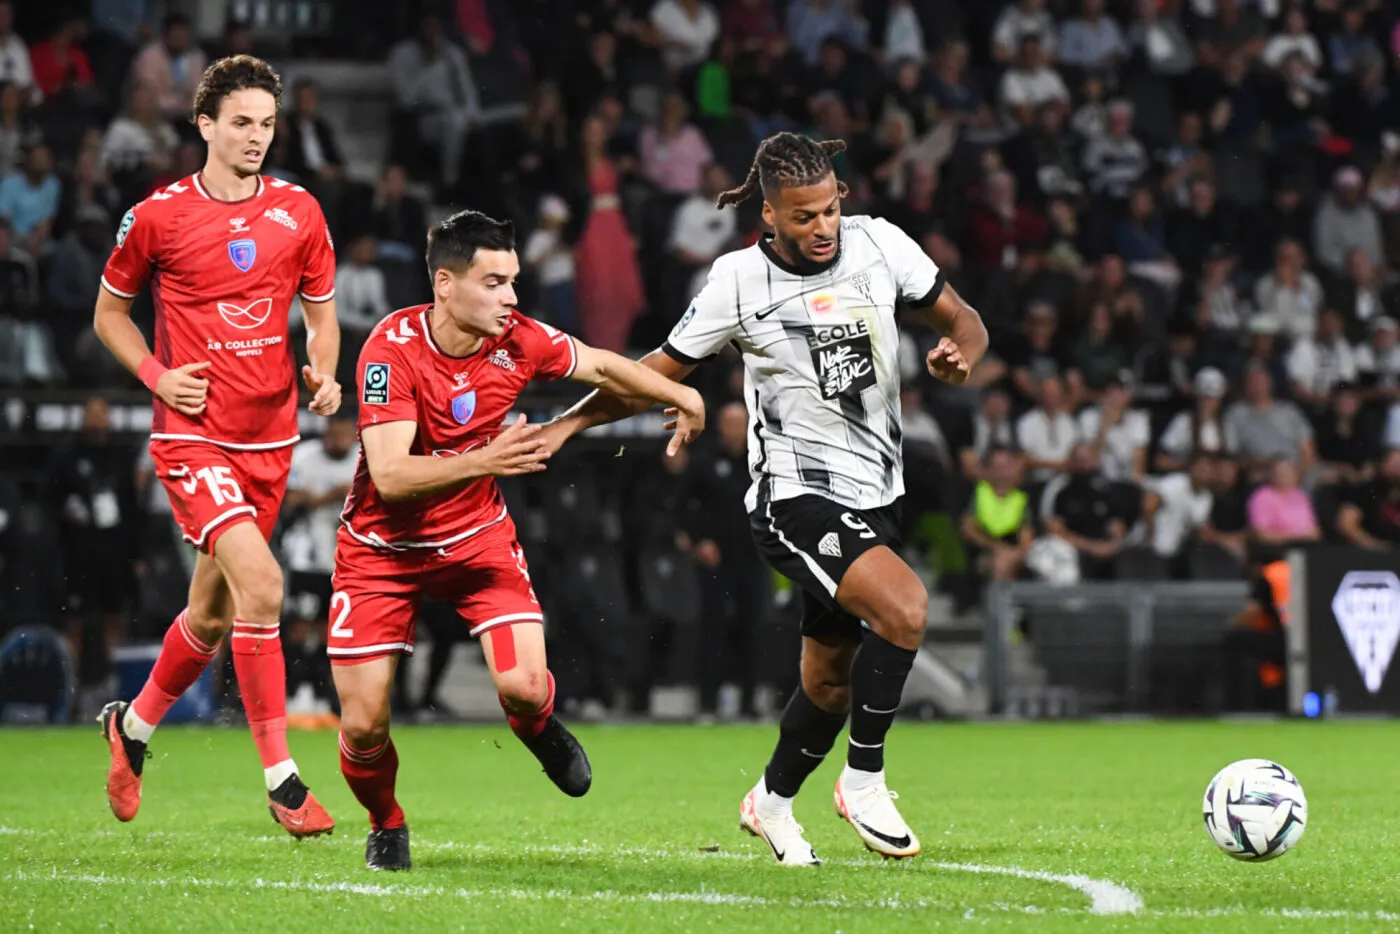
{"points": [[1106, 898]]}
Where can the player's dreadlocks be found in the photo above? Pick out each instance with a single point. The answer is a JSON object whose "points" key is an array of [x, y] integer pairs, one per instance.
{"points": [[787, 160]]}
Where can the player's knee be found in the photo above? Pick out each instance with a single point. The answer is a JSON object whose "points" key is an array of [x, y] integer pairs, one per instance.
{"points": [[363, 727], [207, 623], [830, 694], [260, 591], [524, 689], [904, 621]]}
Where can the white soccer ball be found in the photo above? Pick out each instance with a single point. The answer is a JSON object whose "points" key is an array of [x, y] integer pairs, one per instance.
{"points": [[1255, 809]]}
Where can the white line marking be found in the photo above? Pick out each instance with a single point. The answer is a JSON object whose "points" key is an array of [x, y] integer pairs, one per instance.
{"points": [[1106, 898]]}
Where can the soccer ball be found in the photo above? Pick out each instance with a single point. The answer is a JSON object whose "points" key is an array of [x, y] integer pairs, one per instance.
{"points": [[1255, 809]]}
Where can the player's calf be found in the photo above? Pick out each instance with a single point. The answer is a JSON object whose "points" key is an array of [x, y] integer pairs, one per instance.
{"points": [[368, 759]]}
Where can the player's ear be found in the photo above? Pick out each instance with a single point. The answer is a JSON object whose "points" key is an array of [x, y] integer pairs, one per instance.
{"points": [[206, 127], [442, 285], [770, 216]]}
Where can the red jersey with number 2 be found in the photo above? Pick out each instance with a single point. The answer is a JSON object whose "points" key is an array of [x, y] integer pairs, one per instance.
{"points": [[223, 275], [458, 403]]}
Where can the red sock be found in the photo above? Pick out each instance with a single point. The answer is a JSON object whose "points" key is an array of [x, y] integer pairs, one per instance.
{"points": [[370, 773], [182, 659], [526, 725], [262, 680]]}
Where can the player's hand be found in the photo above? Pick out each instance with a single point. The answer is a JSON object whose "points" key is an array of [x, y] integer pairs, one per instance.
{"points": [[517, 450], [182, 390], [946, 363], [686, 420], [326, 391]]}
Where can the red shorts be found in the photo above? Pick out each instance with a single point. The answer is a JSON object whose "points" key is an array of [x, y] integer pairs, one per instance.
{"points": [[375, 604], [213, 489]]}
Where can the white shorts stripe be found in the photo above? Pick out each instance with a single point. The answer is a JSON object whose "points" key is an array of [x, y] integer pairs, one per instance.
{"points": [[232, 446], [811, 562], [404, 647], [506, 620], [219, 520]]}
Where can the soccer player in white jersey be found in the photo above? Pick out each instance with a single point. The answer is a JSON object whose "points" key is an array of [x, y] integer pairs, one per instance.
{"points": [[812, 310]]}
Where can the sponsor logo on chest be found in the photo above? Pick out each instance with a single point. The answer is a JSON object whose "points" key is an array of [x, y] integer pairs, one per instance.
{"points": [[279, 216], [842, 358]]}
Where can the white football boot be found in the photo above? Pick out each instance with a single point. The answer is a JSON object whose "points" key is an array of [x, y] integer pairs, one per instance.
{"points": [[870, 810], [776, 827]]}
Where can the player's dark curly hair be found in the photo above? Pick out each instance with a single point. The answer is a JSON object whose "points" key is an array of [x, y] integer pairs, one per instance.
{"points": [[786, 160], [452, 243], [234, 73]]}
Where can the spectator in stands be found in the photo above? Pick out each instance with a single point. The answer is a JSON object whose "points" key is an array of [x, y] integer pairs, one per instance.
{"points": [[1096, 357], [999, 228], [539, 144], [140, 144], [1092, 41], [1044, 156], [18, 134], [15, 67], [1347, 46], [1037, 352], [1185, 159], [1318, 364], [1158, 34], [1285, 217], [903, 39], [1228, 526], [400, 221], [1346, 222], [1378, 359], [87, 184], [74, 272], [992, 427], [751, 23], [610, 294], [1348, 440], [1141, 239], [1370, 518], [59, 62], [1261, 348], [552, 261], [1384, 193], [173, 65], [1019, 20], [19, 276], [1081, 507], [30, 200], [1220, 304], [91, 489], [1047, 433], [686, 30], [1363, 295], [361, 298], [1280, 511], [432, 78], [1295, 39], [314, 154], [1234, 32], [1199, 429], [955, 89], [673, 152], [1030, 82], [1201, 225], [810, 22], [1265, 429], [1289, 293], [700, 231], [1118, 433], [998, 524], [1177, 506]]}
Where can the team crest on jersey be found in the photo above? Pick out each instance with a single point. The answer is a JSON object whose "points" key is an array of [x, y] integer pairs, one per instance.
{"points": [[243, 253], [376, 391], [127, 223], [464, 407]]}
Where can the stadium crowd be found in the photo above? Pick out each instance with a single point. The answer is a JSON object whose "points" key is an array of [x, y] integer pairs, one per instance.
{"points": [[1177, 217]]}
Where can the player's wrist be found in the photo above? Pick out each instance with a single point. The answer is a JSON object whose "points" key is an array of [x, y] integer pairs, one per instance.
{"points": [[150, 371]]}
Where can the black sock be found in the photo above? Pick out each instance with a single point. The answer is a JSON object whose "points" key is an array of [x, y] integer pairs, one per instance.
{"points": [[877, 683], [805, 735]]}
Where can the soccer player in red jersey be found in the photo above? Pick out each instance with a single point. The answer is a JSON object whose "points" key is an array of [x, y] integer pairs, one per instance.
{"points": [[425, 515], [225, 252]]}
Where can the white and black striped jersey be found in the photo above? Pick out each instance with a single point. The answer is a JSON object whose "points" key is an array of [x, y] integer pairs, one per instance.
{"points": [[821, 359]]}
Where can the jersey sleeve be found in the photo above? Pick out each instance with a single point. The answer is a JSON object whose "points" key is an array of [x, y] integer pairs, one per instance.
{"points": [[917, 277], [551, 352], [711, 321], [129, 267], [318, 270], [388, 384]]}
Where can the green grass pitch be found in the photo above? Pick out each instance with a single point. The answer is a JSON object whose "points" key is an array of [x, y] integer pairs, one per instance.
{"points": [[1074, 827]]}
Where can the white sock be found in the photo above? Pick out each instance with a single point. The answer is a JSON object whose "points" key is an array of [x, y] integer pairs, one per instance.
{"points": [[279, 773], [856, 780], [136, 728], [770, 802]]}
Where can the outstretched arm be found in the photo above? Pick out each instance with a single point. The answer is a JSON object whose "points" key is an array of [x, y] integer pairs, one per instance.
{"points": [[633, 387], [602, 408]]}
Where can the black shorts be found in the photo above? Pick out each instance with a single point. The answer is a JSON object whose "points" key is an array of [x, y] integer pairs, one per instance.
{"points": [[813, 541]]}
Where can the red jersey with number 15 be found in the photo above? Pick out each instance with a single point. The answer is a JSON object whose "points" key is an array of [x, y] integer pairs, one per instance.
{"points": [[458, 403], [223, 275]]}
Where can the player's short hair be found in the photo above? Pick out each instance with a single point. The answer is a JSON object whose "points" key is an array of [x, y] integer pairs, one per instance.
{"points": [[234, 73], [786, 160], [453, 242]]}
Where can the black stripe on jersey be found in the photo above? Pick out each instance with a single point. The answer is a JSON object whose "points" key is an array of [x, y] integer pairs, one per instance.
{"points": [[761, 468], [931, 299], [739, 307], [669, 349], [812, 471]]}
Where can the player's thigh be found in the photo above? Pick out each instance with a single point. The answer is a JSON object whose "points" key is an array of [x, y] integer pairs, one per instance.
{"points": [[882, 590], [364, 690], [373, 605], [515, 656], [251, 570]]}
